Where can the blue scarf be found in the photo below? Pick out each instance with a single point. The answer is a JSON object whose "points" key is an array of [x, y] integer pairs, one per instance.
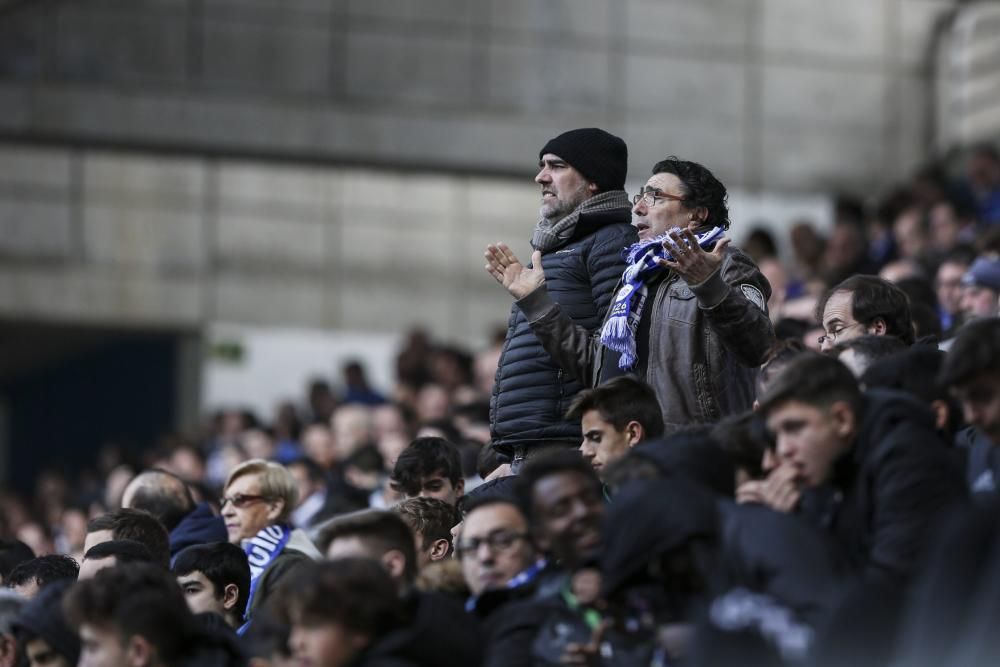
{"points": [[261, 550], [618, 333]]}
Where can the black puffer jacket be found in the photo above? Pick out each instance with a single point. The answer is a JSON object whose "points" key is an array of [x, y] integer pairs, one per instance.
{"points": [[532, 393]]}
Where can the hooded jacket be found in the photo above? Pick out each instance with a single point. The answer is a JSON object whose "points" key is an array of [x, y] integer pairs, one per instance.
{"points": [[889, 488], [200, 526], [699, 346], [532, 393]]}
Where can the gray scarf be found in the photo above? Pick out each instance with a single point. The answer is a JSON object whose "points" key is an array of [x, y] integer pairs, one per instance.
{"points": [[549, 234]]}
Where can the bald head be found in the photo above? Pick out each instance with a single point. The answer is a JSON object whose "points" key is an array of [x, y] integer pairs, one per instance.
{"points": [[160, 493]]}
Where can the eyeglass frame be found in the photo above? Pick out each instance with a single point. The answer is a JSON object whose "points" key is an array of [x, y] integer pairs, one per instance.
{"points": [[494, 541], [649, 197], [242, 500], [832, 337]]}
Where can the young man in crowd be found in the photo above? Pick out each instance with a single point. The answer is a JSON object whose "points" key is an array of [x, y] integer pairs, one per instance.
{"points": [[130, 524], [431, 521], [887, 472], [615, 417], [215, 578], [112, 553], [430, 467], [377, 534]]}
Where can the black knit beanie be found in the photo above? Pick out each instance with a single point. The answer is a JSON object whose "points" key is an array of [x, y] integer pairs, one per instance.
{"points": [[601, 157]]}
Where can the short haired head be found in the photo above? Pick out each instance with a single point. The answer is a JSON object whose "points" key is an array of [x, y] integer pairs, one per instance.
{"points": [[163, 494], [424, 459], [701, 189], [355, 594], [224, 565], [431, 520], [600, 157], [33, 575], [141, 604], [814, 379], [12, 554], [620, 401], [274, 483], [132, 524], [549, 487], [376, 534], [877, 305]]}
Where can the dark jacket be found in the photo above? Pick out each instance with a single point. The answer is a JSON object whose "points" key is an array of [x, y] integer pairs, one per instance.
{"points": [[704, 342], [439, 633], [299, 550], [201, 526], [889, 488], [531, 393]]}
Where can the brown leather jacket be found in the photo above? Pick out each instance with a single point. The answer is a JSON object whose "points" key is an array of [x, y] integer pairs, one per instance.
{"points": [[706, 341]]}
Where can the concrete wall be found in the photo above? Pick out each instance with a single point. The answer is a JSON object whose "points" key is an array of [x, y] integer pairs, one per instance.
{"points": [[775, 94]]}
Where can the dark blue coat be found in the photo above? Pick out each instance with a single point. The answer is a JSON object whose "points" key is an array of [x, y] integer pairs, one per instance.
{"points": [[532, 393]]}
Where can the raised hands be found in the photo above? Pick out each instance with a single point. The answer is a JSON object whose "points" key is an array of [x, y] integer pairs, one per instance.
{"points": [[506, 268], [691, 262]]}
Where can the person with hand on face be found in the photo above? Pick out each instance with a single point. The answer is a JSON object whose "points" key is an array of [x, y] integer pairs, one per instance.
{"points": [[583, 225], [257, 504], [689, 316]]}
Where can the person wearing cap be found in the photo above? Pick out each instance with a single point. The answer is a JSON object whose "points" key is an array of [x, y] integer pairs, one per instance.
{"points": [[981, 289], [690, 311], [583, 226]]}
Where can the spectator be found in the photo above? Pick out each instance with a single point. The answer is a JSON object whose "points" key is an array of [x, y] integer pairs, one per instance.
{"points": [[379, 535], [113, 553], [129, 524], [981, 289], [431, 521], [430, 467], [42, 631], [615, 417], [31, 576], [948, 284], [584, 224], [215, 578], [864, 304], [258, 502], [12, 554], [168, 498]]}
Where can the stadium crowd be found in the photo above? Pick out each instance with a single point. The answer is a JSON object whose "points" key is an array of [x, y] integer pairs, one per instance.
{"points": [[676, 452]]}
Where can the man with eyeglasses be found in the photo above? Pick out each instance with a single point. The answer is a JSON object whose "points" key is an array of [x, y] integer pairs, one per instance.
{"points": [[689, 313], [863, 305], [583, 225]]}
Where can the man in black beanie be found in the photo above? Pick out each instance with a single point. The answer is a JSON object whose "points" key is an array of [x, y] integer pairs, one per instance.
{"points": [[584, 222]]}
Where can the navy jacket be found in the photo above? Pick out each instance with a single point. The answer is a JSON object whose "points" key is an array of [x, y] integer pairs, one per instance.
{"points": [[201, 526], [532, 393]]}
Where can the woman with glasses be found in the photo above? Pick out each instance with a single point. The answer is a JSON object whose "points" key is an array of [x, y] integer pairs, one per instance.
{"points": [[256, 505]]}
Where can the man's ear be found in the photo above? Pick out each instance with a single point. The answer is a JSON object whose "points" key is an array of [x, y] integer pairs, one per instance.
{"points": [[138, 652], [843, 418], [440, 549], [394, 562], [634, 433], [592, 188], [700, 214], [878, 327], [230, 596]]}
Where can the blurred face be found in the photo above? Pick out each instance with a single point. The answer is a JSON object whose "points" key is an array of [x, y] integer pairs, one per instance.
{"points": [[948, 285], [569, 510], [101, 646], [945, 226], [980, 401], [909, 234], [324, 644], [811, 439], [602, 443], [494, 546], [39, 654], [305, 484], [978, 302], [666, 212], [317, 444], [246, 512], [839, 324], [563, 187], [200, 594]]}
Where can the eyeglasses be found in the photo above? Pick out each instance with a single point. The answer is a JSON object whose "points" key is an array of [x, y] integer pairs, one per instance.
{"points": [[240, 500], [649, 197], [833, 335], [497, 542]]}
